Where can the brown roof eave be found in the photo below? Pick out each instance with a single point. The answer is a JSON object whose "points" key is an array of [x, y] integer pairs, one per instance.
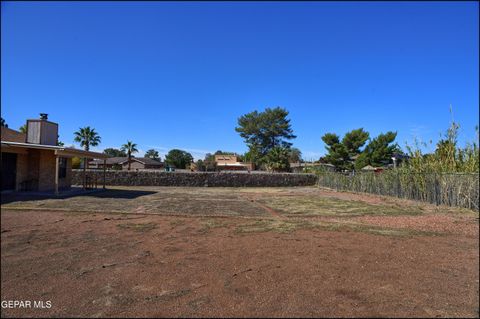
{"points": [[71, 152], [59, 150]]}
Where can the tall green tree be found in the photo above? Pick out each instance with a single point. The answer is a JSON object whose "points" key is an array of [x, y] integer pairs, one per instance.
{"points": [[87, 137], [178, 158], [153, 154], [277, 159], [200, 165], [129, 148], [114, 152], [379, 151], [337, 153], [343, 153], [262, 131], [354, 140]]}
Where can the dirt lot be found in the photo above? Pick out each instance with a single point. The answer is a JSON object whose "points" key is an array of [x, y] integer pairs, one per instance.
{"points": [[216, 252]]}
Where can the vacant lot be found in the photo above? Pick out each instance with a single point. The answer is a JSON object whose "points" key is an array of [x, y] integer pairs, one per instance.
{"points": [[283, 252]]}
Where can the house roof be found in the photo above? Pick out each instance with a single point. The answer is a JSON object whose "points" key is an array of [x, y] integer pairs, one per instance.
{"points": [[232, 164], [400, 156], [123, 160], [143, 160], [59, 150], [225, 156], [13, 136], [293, 165], [110, 160]]}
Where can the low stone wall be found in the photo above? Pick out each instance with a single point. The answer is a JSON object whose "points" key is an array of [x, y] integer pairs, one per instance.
{"points": [[196, 179]]}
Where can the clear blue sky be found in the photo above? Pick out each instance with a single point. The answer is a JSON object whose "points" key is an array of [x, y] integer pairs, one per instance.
{"points": [[178, 75]]}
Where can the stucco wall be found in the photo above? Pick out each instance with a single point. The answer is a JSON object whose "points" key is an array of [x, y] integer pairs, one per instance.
{"points": [[197, 179]]}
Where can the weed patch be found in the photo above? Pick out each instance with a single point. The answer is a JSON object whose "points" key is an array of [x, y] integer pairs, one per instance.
{"points": [[324, 206], [212, 223], [138, 227]]}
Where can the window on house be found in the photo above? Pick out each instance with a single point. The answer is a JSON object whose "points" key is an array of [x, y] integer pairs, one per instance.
{"points": [[62, 167]]}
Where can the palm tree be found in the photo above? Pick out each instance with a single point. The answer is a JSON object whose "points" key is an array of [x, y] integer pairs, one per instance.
{"points": [[153, 155], [87, 137], [23, 128], [129, 148]]}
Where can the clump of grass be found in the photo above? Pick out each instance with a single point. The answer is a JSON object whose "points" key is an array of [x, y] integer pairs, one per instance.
{"points": [[278, 226], [177, 222], [212, 223], [321, 206], [376, 230], [142, 227]]}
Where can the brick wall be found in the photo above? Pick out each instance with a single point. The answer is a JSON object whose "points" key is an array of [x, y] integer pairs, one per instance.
{"points": [[197, 179], [22, 169], [40, 165], [46, 176]]}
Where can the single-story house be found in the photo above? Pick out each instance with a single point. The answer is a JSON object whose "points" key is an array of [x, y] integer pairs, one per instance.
{"points": [[370, 168], [122, 163], [33, 161], [110, 162], [230, 163]]}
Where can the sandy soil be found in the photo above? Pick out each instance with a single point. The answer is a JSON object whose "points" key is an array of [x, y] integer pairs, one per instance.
{"points": [[121, 265]]}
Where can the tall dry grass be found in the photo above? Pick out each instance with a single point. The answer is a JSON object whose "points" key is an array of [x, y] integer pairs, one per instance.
{"points": [[448, 176]]}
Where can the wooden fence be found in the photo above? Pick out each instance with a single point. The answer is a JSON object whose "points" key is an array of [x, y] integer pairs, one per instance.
{"points": [[452, 189]]}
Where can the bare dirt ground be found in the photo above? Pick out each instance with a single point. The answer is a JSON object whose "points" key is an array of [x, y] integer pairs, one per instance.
{"points": [[222, 252]]}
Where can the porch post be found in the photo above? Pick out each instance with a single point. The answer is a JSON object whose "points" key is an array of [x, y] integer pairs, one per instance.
{"points": [[104, 171], [84, 173], [57, 166]]}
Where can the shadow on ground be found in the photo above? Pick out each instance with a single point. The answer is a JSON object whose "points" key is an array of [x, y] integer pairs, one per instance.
{"points": [[99, 193]]}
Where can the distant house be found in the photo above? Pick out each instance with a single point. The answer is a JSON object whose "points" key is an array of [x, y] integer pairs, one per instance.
{"points": [[34, 162], [122, 163], [230, 163], [368, 168], [399, 158], [110, 163], [169, 168]]}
